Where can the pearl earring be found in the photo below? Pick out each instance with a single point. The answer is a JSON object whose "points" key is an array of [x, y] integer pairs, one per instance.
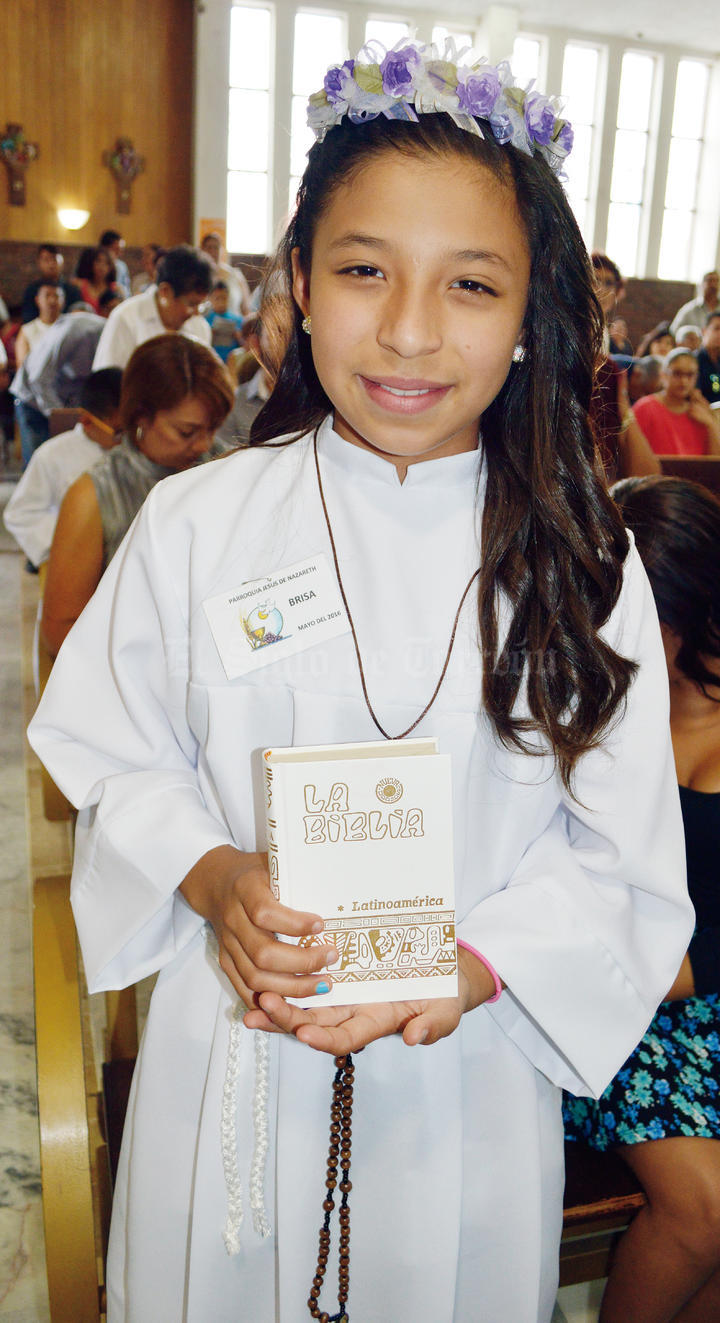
{"points": [[518, 354], [307, 325]]}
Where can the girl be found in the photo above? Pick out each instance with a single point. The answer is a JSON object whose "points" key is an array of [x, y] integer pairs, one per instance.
{"points": [[95, 273], [660, 1112], [440, 333]]}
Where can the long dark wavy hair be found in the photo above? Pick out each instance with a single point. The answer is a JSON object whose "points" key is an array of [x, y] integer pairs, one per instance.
{"points": [[676, 525], [553, 541]]}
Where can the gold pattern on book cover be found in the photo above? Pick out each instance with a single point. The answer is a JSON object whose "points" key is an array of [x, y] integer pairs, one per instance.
{"points": [[400, 946]]}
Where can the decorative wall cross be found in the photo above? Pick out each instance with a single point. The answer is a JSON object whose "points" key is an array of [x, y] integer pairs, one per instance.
{"points": [[125, 164], [16, 154]]}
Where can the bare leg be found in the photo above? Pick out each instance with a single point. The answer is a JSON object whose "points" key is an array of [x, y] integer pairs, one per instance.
{"points": [[672, 1247], [705, 1304]]}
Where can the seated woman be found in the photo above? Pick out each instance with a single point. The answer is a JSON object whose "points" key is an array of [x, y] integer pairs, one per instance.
{"points": [[678, 420], [175, 393], [662, 1111], [95, 274]]}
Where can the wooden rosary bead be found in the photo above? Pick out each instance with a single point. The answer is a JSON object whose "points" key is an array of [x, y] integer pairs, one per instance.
{"points": [[339, 1151]]}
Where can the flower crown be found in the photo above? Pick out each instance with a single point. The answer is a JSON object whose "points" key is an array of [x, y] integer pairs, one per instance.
{"points": [[412, 79]]}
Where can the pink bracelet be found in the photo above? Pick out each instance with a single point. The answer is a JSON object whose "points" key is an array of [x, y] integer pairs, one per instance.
{"points": [[488, 966]]}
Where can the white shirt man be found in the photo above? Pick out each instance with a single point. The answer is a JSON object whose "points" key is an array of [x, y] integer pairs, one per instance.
{"points": [[32, 511], [697, 311], [138, 319]]}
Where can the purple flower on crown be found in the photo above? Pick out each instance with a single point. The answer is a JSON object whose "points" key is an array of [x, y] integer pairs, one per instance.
{"points": [[478, 90], [539, 118], [398, 69], [565, 139], [336, 80]]}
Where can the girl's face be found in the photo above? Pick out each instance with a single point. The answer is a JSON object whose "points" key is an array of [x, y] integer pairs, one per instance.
{"points": [[417, 292], [679, 377]]}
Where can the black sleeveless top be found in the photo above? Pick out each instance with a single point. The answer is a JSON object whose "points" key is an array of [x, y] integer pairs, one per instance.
{"points": [[701, 818]]}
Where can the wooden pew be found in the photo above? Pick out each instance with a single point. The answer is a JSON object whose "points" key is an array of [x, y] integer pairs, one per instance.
{"points": [[601, 1199], [704, 469]]}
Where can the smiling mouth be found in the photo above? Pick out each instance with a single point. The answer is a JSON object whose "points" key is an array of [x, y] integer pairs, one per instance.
{"points": [[404, 397]]}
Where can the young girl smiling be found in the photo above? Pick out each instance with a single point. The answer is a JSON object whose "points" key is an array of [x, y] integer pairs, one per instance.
{"points": [[430, 445]]}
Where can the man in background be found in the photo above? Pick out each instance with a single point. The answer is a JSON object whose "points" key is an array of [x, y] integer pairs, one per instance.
{"points": [[50, 264], [113, 241], [709, 360], [697, 311], [32, 511]]}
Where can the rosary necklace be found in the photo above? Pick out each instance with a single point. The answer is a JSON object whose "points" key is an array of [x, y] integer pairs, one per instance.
{"points": [[361, 669]]}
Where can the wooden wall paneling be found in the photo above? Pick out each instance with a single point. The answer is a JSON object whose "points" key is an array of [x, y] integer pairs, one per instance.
{"points": [[76, 75]]}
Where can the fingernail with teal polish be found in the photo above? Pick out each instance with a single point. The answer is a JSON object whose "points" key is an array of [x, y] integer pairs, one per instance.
{"points": [[322, 987]]}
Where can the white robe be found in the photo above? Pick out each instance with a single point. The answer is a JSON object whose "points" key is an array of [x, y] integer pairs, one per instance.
{"points": [[581, 907]]}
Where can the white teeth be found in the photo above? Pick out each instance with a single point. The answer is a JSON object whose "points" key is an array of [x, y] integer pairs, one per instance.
{"points": [[394, 391]]}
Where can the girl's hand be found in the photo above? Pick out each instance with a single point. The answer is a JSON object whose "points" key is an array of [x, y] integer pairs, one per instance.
{"points": [[342, 1029], [232, 890], [699, 409]]}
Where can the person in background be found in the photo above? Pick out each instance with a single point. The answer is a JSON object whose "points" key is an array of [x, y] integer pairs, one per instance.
{"points": [[658, 342], [709, 360], [49, 305], [226, 327], [50, 264], [32, 511], [618, 329], [621, 445], [610, 291], [175, 394], [696, 312], [151, 254], [678, 420], [660, 1113], [240, 301], [643, 377], [94, 274], [688, 337], [250, 396], [114, 244], [53, 373], [184, 279]]}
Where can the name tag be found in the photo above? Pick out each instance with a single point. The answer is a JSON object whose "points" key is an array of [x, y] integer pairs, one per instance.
{"points": [[269, 619]]}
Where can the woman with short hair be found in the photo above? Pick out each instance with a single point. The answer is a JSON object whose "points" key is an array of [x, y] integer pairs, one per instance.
{"points": [[175, 393]]}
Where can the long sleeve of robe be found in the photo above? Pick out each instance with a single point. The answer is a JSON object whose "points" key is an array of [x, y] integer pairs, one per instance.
{"points": [[580, 904]]}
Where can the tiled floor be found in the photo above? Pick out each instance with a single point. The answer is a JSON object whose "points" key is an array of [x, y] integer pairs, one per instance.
{"points": [[23, 1292]]}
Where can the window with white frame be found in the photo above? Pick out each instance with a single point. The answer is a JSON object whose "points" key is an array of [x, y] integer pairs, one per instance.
{"points": [[320, 40], [460, 36], [580, 79], [630, 160], [260, 186], [249, 128], [386, 30], [681, 188], [525, 61]]}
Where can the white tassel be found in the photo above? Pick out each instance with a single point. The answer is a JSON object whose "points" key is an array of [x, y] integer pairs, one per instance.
{"points": [[260, 1125], [233, 1183], [231, 1171]]}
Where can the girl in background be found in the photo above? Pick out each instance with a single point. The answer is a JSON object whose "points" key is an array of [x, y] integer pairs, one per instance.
{"points": [[427, 440]]}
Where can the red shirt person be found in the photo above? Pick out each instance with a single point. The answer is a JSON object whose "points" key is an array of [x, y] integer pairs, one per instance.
{"points": [[679, 420]]}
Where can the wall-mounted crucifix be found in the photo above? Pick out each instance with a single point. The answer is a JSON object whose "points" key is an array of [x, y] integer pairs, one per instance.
{"points": [[16, 154], [125, 164]]}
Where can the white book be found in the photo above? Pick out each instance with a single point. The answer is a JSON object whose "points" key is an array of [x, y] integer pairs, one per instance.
{"points": [[362, 835]]}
